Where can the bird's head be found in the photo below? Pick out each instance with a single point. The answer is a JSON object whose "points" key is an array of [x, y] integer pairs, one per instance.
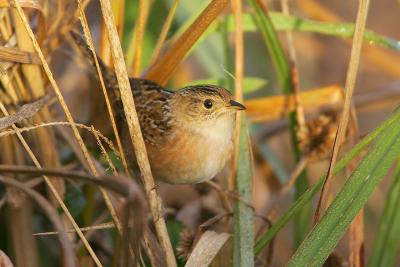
{"points": [[202, 106]]}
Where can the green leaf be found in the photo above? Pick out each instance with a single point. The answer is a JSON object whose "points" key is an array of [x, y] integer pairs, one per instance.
{"points": [[354, 195], [243, 242], [306, 197], [282, 22], [250, 84], [302, 221], [387, 240]]}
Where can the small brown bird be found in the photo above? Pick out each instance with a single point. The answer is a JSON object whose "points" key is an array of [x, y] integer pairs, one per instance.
{"points": [[188, 133]]}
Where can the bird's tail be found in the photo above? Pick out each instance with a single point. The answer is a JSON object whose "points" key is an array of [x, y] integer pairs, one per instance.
{"points": [[109, 77]]}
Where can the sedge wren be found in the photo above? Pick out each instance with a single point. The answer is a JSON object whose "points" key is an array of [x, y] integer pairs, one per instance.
{"points": [[188, 133]]}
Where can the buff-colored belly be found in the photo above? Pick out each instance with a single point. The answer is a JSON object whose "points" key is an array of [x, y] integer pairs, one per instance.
{"points": [[190, 159]]}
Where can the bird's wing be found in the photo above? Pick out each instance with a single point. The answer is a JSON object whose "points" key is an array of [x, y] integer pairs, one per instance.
{"points": [[153, 108]]}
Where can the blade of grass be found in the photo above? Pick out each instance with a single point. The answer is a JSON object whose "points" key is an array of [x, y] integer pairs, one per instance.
{"points": [[306, 197], [243, 241], [353, 196], [387, 241], [283, 71], [227, 53], [284, 22], [243, 214]]}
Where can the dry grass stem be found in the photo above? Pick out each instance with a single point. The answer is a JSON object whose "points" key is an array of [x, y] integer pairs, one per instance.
{"points": [[89, 40], [136, 134], [63, 123], [239, 69], [103, 226], [164, 66], [349, 89], [120, 184], [144, 7], [18, 56], [53, 190], [164, 31], [300, 117], [25, 112], [68, 252], [273, 108]]}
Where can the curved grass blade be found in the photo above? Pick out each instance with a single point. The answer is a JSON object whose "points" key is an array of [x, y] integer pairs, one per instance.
{"points": [[306, 197], [354, 195]]}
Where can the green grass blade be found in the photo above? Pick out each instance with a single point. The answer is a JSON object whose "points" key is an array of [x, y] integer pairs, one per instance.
{"points": [[387, 240], [282, 22], [306, 197], [354, 195], [264, 24], [345, 30], [243, 249], [271, 40]]}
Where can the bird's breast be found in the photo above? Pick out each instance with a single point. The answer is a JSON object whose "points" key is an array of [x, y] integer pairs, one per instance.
{"points": [[192, 155]]}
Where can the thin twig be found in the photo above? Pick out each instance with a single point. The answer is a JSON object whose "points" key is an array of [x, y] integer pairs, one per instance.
{"points": [[63, 123]]}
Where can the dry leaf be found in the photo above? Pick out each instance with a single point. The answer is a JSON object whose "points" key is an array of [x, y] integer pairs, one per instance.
{"points": [[25, 112], [206, 249]]}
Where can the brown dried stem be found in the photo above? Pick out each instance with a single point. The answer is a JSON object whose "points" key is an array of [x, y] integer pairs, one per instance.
{"points": [[349, 89], [120, 184], [164, 31], [166, 64], [136, 134], [74, 129], [53, 190], [15, 55], [89, 40], [68, 252]]}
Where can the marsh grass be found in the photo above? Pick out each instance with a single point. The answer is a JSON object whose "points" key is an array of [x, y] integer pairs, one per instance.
{"points": [[56, 181]]}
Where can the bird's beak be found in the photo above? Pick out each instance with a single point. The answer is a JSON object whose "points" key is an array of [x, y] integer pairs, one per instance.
{"points": [[236, 105]]}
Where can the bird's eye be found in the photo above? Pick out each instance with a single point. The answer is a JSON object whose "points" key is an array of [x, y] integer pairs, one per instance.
{"points": [[208, 103]]}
